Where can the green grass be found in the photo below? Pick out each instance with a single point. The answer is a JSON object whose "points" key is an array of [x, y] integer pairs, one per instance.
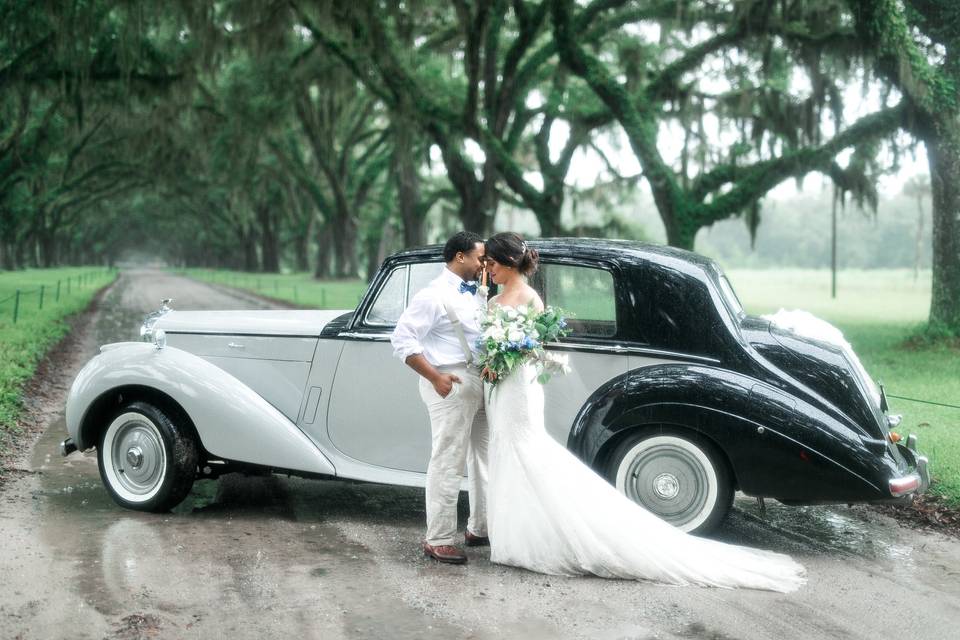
{"points": [[877, 311], [300, 288], [24, 343]]}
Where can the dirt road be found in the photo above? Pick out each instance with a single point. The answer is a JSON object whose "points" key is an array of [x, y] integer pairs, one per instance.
{"points": [[263, 557]]}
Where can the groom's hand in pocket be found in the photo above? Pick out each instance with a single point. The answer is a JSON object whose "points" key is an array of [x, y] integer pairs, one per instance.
{"points": [[443, 383]]}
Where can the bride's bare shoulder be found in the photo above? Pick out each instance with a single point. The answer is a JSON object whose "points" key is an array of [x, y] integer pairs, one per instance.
{"points": [[534, 300]]}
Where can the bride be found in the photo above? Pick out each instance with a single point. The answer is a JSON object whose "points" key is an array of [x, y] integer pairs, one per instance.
{"points": [[550, 513]]}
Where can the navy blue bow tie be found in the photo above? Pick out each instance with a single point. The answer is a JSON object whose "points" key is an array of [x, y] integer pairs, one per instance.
{"points": [[468, 286]]}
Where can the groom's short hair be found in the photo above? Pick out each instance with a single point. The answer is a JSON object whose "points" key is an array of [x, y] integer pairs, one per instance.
{"points": [[464, 241]]}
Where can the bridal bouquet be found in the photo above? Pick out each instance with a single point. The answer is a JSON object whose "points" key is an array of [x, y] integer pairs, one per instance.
{"points": [[510, 337]]}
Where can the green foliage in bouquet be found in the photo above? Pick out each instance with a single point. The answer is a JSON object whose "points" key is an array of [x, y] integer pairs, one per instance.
{"points": [[512, 336]]}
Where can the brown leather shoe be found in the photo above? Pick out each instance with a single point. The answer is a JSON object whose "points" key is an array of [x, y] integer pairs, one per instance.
{"points": [[445, 553], [472, 540]]}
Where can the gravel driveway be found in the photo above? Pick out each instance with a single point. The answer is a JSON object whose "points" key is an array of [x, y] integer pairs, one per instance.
{"points": [[262, 557]]}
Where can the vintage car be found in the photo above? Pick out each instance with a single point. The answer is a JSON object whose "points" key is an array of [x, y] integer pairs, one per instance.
{"points": [[676, 396]]}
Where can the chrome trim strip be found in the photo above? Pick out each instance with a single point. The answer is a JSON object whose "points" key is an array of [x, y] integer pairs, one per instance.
{"points": [[248, 335], [359, 335], [622, 349]]}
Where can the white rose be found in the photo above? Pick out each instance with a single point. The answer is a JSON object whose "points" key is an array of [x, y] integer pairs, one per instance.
{"points": [[515, 335], [495, 333]]}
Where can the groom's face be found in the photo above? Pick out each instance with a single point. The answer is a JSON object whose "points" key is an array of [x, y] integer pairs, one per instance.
{"points": [[472, 264]]}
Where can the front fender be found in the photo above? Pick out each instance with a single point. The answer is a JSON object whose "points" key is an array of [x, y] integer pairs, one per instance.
{"points": [[777, 445], [232, 421]]}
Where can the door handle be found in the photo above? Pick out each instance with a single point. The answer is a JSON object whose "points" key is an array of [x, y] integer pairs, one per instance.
{"points": [[234, 345]]}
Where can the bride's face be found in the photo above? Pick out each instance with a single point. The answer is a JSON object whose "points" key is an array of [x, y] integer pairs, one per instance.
{"points": [[499, 273]]}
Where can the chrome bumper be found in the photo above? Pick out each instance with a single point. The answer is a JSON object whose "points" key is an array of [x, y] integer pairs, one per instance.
{"points": [[919, 479], [67, 447]]}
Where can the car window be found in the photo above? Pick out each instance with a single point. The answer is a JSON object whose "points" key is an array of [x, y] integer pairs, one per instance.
{"points": [[420, 276], [391, 300], [585, 293], [395, 294]]}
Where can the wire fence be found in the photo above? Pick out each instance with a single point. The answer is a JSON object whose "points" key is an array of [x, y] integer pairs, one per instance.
{"points": [[23, 300], [312, 294]]}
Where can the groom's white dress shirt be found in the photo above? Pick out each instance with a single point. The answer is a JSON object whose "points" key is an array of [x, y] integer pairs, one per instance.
{"points": [[425, 328]]}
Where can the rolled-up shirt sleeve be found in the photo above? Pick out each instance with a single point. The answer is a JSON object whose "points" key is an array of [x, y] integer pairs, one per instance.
{"points": [[414, 324]]}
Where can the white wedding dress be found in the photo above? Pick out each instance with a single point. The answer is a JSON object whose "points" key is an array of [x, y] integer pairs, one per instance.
{"points": [[550, 513]]}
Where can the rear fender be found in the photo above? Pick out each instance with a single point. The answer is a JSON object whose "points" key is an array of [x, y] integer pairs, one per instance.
{"points": [[776, 444], [231, 420]]}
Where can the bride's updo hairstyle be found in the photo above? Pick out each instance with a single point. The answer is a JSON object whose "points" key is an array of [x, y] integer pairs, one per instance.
{"points": [[509, 249]]}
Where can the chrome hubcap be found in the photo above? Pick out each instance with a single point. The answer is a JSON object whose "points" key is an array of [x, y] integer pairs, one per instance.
{"points": [[134, 457], [666, 486], [138, 456], [669, 481]]}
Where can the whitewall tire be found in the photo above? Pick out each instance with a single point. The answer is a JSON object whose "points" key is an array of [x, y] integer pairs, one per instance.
{"points": [[677, 476], [147, 462]]}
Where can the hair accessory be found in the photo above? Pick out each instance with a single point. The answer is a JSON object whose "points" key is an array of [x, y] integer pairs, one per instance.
{"points": [[523, 245]]}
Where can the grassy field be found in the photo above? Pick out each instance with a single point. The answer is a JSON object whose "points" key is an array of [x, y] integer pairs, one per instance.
{"points": [[877, 311], [300, 288], [24, 342]]}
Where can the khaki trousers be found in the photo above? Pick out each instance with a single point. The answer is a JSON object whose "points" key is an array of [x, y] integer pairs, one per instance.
{"points": [[460, 437]]}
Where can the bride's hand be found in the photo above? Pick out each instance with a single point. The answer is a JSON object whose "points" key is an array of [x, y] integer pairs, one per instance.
{"points": [[487, 374]]}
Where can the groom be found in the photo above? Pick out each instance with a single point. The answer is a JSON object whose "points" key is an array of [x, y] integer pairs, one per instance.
{"points": [[435, 337]]}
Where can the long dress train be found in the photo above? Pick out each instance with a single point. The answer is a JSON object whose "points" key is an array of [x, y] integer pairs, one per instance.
{"points": [[550, 513]]}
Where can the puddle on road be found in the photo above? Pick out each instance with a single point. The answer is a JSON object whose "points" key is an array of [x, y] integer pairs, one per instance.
{"points": [[243, 547], [853, 530]]}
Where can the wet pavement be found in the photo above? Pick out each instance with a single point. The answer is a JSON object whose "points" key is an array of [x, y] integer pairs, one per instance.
{"points": [[271, 556]]}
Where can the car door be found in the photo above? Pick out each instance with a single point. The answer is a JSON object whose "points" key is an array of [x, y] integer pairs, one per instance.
{"points": [[586, 293], [375, 414]]}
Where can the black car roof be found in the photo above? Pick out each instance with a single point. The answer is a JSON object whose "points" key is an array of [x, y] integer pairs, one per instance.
{"points": [[631, 252]]}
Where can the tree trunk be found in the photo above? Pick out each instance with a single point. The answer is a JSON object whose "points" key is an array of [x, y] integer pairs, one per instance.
{"points": [[408, 182], [943, 153], [548, 214], [301, 249], [324, 252], [918, 245], [679, 235], [269, 244], [6, 257], [250, 262], [46, 245], [345, 246], [377, 250]]}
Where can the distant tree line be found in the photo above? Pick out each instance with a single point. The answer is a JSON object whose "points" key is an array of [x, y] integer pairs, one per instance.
{"points": [[320, 134]]}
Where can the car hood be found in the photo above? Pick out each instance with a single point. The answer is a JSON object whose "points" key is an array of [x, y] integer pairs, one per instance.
{"points": [[267, 323]]}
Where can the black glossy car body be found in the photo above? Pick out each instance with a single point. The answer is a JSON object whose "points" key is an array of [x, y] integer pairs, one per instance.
{"points": [[778, 415]]}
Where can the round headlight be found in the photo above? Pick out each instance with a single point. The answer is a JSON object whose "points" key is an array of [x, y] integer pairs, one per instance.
{"points": [[160, 338]]}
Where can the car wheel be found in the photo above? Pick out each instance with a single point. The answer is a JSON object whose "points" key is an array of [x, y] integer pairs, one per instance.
{"points": [[679, 477], [147, 462]]}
